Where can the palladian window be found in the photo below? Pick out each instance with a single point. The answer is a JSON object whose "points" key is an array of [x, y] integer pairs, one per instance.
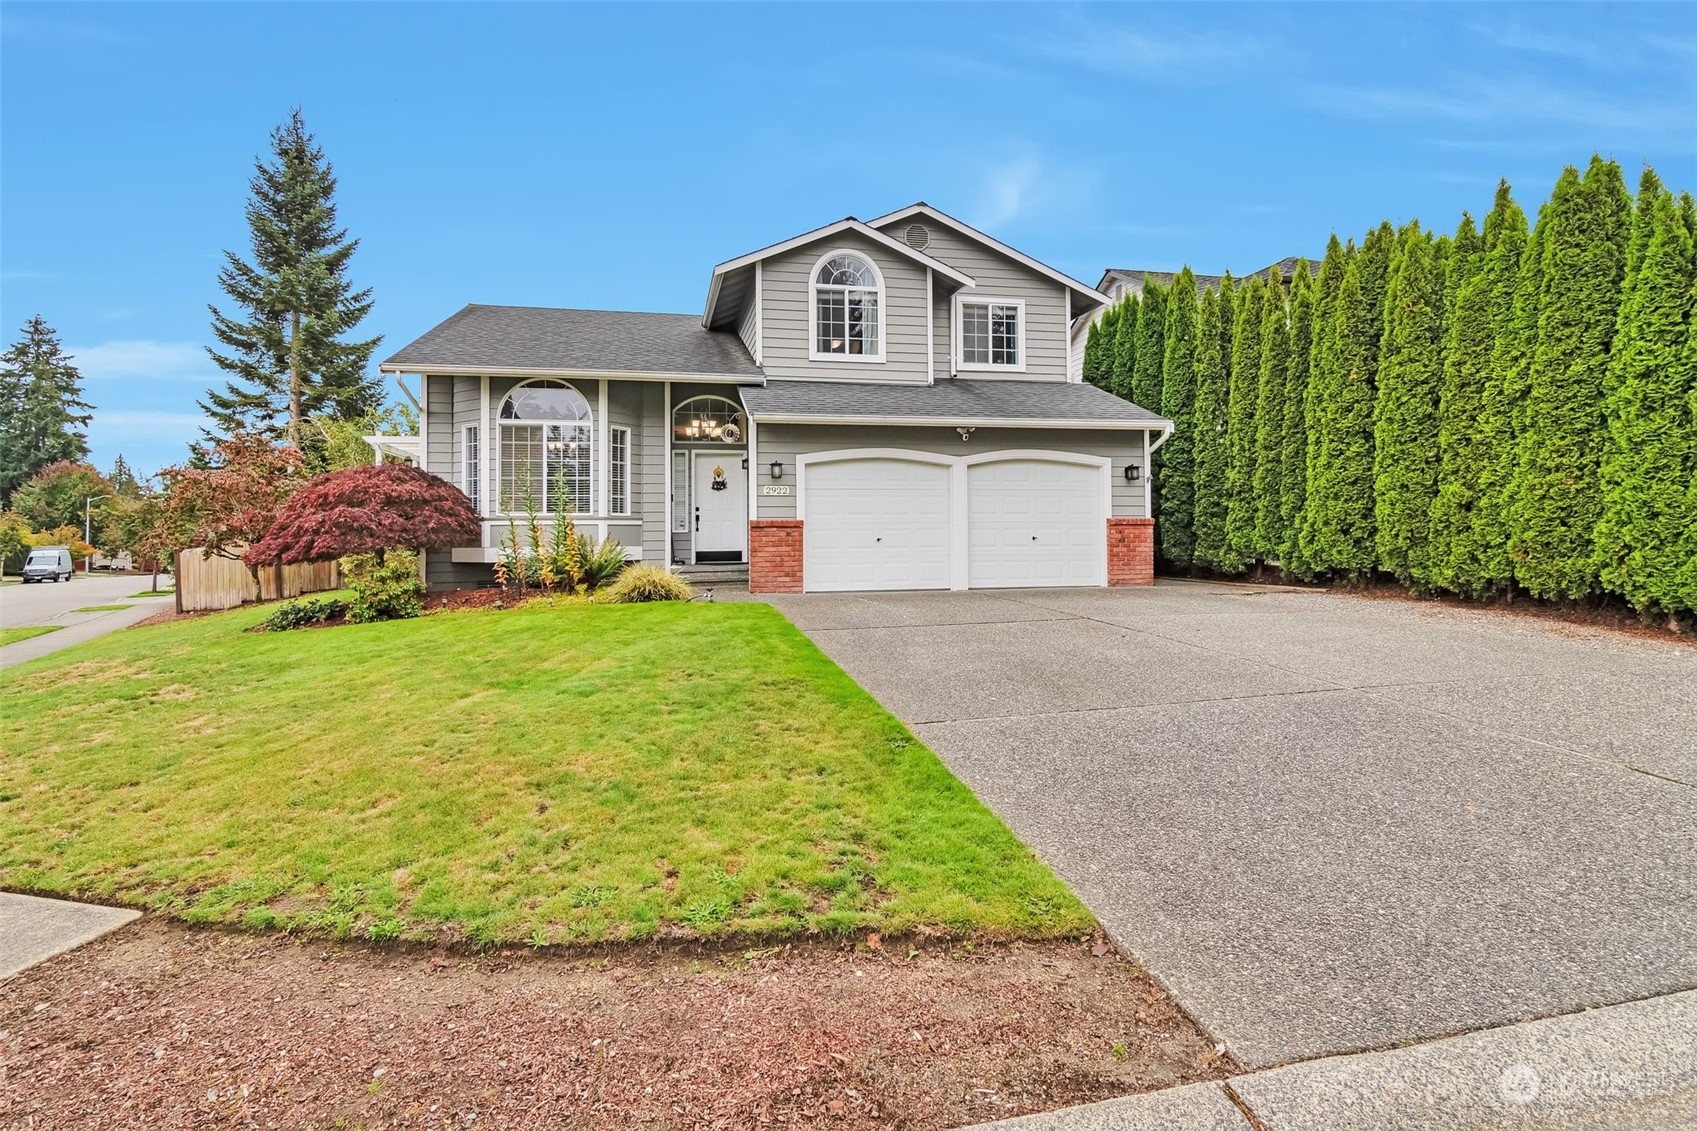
{"points": [[847, 305], [547, 440]]}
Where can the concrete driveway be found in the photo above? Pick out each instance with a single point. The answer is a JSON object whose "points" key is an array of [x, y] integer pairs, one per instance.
{"points": [[56, 604], [1325, 822]]}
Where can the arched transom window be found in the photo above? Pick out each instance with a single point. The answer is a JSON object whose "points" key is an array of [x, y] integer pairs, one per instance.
{"points": [[547, 443], [848, 307], [707, 420]]}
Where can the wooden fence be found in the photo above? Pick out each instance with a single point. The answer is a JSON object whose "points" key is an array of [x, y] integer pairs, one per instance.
{"points": [[223, 583]]}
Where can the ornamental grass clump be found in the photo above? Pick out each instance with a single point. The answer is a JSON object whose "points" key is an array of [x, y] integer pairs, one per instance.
{"points": [[644, 582]]}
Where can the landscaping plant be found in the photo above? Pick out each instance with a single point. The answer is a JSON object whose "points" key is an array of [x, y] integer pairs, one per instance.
{"points": [[306, 611], [644, 582], [386, 588]]}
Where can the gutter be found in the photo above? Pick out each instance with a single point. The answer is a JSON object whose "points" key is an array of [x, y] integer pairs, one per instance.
{"points": [[1166, 427], [568, 374]]}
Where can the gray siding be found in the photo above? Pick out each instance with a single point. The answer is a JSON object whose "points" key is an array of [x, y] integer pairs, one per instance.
{"points": [[786, 294], [442, 572], [648, 471], [787, 441], [468, 391], [748, 327], [1046, 329], [439, 421]]}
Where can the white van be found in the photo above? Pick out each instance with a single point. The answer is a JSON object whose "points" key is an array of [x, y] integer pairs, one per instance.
{"points": [[46, 562]]}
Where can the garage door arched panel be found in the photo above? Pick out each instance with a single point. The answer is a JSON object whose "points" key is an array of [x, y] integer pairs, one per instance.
{"points": [[1036, 522], [876, 522]]}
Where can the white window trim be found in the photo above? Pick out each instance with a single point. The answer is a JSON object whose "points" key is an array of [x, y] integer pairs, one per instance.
{"points": [[961, 364], [471, 471], [813, 352], [501, 424], [617, 464], [672, 424]]}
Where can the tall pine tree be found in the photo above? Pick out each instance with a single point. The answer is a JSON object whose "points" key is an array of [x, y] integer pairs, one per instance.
{"points": [[1557, 497], [1513, 266], [1240, 428], [1213, 376], [1405, 415], [1293, 473], [1270, 421], [1451, 558], [1125, 350], [42, 414], [286, 350], [1338, 530], [1178, 404], [1650, 452]]}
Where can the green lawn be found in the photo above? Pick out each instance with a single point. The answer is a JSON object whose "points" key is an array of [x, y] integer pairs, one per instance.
{"points": [[102, 608], [28, 632], [152, 593], [544, 775]]}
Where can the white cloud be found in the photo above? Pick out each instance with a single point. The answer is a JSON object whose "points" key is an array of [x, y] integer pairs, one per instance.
{"points": [[1132, 51], [1026, 184], [165, 361], [1495, 101]]}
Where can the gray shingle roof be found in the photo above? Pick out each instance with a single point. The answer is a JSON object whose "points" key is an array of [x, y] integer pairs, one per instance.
{"points": [[545, 338], [1286, 268], [963, 399]]}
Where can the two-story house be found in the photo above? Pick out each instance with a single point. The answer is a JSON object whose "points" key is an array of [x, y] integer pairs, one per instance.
{"points": [[869, 405]]}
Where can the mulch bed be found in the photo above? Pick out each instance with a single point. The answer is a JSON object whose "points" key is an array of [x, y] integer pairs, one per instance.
{"points": [[474, 599], [164, 1026]]}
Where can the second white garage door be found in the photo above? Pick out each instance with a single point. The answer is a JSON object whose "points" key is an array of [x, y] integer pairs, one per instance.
{"points": [[876, 524], [1035, 523]]}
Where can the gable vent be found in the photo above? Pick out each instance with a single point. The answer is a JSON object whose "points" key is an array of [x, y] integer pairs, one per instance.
{"points": [[917, 237]]}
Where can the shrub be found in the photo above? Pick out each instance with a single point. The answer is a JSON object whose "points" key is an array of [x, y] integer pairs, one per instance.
{"points": [[386, 590], [600, 562], [639, 583], [307, 610]]}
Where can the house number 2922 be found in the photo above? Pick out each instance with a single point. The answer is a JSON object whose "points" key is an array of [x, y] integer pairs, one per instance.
{"points": [[774, 488]]}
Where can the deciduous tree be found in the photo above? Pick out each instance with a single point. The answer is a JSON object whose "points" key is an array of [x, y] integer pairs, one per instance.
{"points": [[367, 510], [56, 496]]}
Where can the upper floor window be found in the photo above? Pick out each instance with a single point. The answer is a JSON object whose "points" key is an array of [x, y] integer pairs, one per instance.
{"points": [[707, 420], [992, 334], [547, 440], [848, 309]]}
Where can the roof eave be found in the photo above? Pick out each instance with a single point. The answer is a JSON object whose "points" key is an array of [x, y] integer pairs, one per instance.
{"points": [[528, 372], [1157, 424], [961, 226]]}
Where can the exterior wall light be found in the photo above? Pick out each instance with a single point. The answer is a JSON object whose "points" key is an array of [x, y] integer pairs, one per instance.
{"points": [[777, 469], [1133, 473]]}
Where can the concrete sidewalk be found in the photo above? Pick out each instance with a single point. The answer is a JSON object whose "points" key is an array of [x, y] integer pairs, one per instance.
{"points": [[1622, 1066], [33, 929], [78, 627]]}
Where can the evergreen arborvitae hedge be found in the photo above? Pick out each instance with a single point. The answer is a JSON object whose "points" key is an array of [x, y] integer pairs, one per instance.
{"points": [[1650, 451], [1147, 381], [1240, 428], [1212, 385], [1513, 267], [1451, 561], [1340, 478], [1557, 497], [1178, 402], [1270, 421], [1293, 474], [1094, 342], [1321, 370], [1405, 414], [1125, 350]]}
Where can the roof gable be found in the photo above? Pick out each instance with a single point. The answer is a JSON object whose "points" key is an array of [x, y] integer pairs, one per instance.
{"points": [[1092, 296]]}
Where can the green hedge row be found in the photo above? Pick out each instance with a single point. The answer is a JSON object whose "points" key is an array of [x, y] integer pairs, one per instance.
{"points": [[1506, 408]]}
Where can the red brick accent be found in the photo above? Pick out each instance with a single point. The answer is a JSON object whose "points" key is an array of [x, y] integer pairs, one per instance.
{"points": [[1131, 551], [774, 555]]}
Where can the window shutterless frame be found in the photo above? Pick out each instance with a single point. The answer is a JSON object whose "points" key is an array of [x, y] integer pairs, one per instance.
{"points": [[472, 471], [856, 285], [981, 320], [619, 468]]}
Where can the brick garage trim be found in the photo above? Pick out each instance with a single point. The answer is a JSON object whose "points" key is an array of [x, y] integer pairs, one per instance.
{"points": [[774, 555], [1131, 551]]}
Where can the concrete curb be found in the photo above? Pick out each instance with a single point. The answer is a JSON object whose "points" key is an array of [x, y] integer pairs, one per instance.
{"points": [[1621, 1066]]}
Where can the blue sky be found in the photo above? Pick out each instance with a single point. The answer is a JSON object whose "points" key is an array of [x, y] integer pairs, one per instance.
{"points": [[579, 155]]}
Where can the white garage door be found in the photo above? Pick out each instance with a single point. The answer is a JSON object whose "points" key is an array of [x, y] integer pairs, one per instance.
{"points": [[876, 524], [1032, 523]]}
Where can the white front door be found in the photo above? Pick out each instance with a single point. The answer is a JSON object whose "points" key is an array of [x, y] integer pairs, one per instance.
{"points": [[720, 506], [876, 523], [1033, 523]]}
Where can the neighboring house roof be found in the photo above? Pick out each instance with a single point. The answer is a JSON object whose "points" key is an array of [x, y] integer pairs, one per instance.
{"points": [[1091, 295], [1286, 268], [990, 403], [714, 316], [540, 339]]}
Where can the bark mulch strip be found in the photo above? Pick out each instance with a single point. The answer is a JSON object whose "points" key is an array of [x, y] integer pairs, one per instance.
{"points": [[163, 1026]]}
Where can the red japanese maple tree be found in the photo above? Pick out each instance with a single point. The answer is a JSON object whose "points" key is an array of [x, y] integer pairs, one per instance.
{"points": [[367, 510]]}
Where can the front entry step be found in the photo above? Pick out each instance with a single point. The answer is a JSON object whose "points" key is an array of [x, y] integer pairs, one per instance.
{"points": [[715, 573]]}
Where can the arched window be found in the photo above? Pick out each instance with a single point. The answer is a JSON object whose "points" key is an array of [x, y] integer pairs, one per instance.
{"points": [[848, 308], [547, 441], [707, 420]]}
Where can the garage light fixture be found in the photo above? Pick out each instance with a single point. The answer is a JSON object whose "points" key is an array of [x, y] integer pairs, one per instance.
{"points": [[1133, 473], [965, 433], [777, 469]]}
